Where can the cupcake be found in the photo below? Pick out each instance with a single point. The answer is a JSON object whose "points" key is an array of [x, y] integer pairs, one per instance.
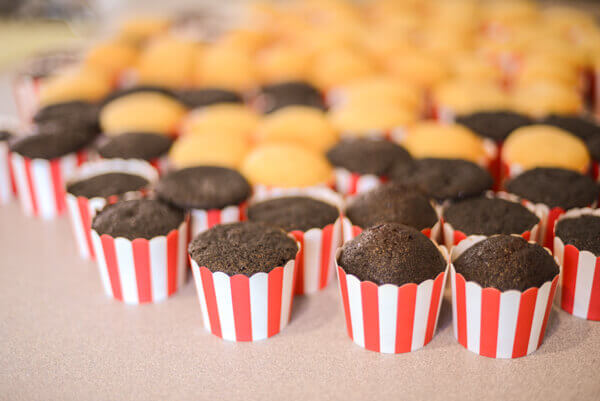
{"points": [[226, 66], [552, 191], [542, 98], [8, 187], [278, 95], [362, 163], [391, 280], [280, 62], [96, 184], [213, 195], [486, 216], [443, 179], [235, 120], [85, 84], [167, 61], [337, 66], [147, 146], [140, 246], [502, 292], [112, 57], [577, 250], [208, 150], [312, 217], [244, 274], [130, 90], [75, 115], [194, 98]]}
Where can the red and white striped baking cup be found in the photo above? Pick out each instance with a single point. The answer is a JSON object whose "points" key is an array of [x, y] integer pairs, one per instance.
{"points": [[315, 262], [443, 114], [141, 270], [260, 191], [388, 318], [498, 324], [350, 231], [26, 90], [40, 182], [242, 308], [82, 210], [161, 165], [349, 183], [580, 274], [203, 219]]}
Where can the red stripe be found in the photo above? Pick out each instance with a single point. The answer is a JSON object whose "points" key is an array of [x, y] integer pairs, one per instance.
{"points": [[434, 307], [524, 322], [110, 255], [458, 237], [240, 299], [81, 157], [86, 222], [356, 230], [352, 185], [13, 182], [526, 235], [141, 261], [30, 185], [299, 269], [211, 301], [274, 300], [490, 312], [405, 317], [461, 309], [242, 212], [594, 308], [554, 214], [569, 277], [345, 302], [426, 232], [326, 244], [595, 170], [213, 217], [172, 256], [57, 185], [370, 311], [548, 307]]}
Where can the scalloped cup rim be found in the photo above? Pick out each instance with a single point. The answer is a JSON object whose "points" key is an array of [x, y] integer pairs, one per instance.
{"points": [[182, 225], [287, 264]]}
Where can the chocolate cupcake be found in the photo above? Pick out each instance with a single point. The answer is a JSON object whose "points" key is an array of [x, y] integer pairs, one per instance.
{"points": [[138, 145], [294, 213], [579, 126], [105, 185], [582, 232], [495, 125], [195, 98], [136, 89], [279, 95], [50, 145], [76, 114], [391, 278], [245, 266], [443, 179]]}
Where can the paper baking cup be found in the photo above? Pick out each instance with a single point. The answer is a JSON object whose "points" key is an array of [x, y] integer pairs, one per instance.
{"points": [[242, 308], [260, 191], [388, 318], [40, 182], [203, 219], [595, 170], [8, 187], [26, 90], [142, 271], [580, 275], [498, 324], [350, 231], [349, 183], [82, 210]]}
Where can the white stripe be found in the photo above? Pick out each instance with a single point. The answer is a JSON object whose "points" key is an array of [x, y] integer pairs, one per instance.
{"points": [[312, 260], [342, 180], [18, 164], [366, 183], [182, 254], [541, 302], [104, 277], [388, 309], [356, 312], [448, 236], [201, 296], [473, 296], [158, 268], [586, 265], [453, 285], [224, 305], [422, 302], [78, 226], [287, 292], [199, 221], [124, 252], [5, 185], [42, 180], [507, 323], [230, 214], [346, 230], [259, 307], [336, 242], [441, 299], [68, 166]]}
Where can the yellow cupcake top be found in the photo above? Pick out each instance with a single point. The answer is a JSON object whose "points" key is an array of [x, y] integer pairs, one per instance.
{"points": [[367, 118], [469, 66], [112, 57], [541, 98], [539, 67], [453, 141], [466, 96], [418, 68], [143, 112], [226, 67], [222, 119], [339, 66], [545, 146], [140, 28], [301, 125], [167, 61], [87, 84], [510, 11], [282, 63], [208, 150], [286, 166], [382, 89]]}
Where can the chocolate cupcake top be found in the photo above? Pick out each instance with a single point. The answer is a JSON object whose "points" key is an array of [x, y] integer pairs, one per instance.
{"points": [[72, 113], [495, 125], [135, 89], [105, 185], [136, 145], [392, 203], [582, 232], [444, 179], [554, 187], [582, 127], [43, 64], [506, 262], [292, 93], [5, 135], [141, 218], [50, 145], [593, 145], [193, 98], [392, 253], [488, 216], [294, 213], [242, 248], [368, 156], [203, 187]]}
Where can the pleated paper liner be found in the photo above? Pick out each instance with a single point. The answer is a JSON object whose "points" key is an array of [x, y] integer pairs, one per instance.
{"points": [[40, 182], [203, 219], [498, 324], [350, 183], [8, 187], [580, 274], [388, 318], [242, 308], [82, 210], [142, 271], [315, 263]]}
